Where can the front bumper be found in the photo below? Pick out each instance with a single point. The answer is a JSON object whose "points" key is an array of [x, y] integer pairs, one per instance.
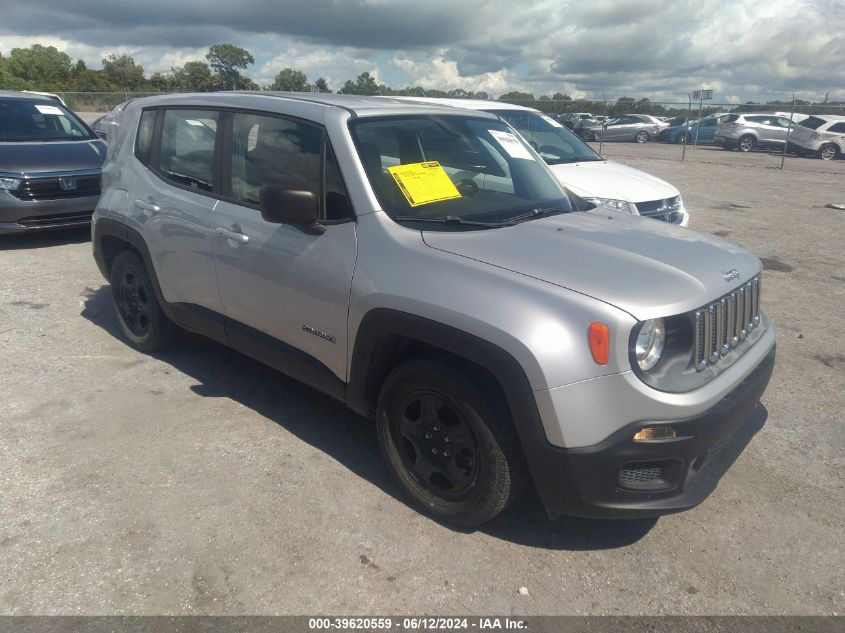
{"points": [[20, 216], [620, 478]]}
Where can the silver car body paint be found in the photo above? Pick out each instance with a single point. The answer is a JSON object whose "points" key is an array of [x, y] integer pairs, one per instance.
{"points": [[531, 289]]}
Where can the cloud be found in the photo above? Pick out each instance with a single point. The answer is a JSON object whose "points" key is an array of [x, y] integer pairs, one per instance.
{"points": [[743, 49]]}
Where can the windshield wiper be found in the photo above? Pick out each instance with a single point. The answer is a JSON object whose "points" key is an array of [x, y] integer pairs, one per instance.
{"points": [[534, 214], [449, 219]]}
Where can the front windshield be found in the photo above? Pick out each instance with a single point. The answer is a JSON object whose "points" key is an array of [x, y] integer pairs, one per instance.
{"points": [[454, 169], [549, 138], [23, 120]]}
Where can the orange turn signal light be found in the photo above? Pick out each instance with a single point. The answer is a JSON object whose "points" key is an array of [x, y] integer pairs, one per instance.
{"points": [[600, 342], [655, 433]]}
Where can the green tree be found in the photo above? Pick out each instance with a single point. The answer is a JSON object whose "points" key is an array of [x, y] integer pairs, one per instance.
{"points": [[322, 85], [44, 67], [516, 95], [290, 80], [122, 72], [83, 79], [161, 82], [365, 84], [194, 76], [561, 97], [226, 60]]}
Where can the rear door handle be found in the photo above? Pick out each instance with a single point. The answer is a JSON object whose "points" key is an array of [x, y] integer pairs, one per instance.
{"points": [[147, 206], [235, 236]]}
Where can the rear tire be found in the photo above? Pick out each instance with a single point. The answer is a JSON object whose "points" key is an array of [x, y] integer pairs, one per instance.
{"points": [[828, 151], [641, 137], [448, 443], [139, 314], [746, 143]]}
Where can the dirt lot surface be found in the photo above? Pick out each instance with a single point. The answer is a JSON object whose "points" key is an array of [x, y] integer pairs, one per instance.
{"points": [[198, 481]]}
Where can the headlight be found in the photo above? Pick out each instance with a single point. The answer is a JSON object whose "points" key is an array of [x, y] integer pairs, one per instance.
{"points": [[9, 184], [650, 343], [617, 205]]}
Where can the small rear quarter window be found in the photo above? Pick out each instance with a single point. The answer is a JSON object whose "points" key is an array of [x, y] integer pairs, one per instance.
{"points": [[144, 139]]}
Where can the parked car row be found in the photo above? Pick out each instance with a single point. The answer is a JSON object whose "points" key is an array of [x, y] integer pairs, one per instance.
{"points": [[423, 264]]}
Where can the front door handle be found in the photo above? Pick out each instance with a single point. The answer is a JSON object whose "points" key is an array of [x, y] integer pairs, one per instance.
{"points": [[235, 236], [147, 206]]}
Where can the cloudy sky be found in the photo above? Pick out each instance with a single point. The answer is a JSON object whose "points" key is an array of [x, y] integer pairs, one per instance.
{"points": [[744, 49]]}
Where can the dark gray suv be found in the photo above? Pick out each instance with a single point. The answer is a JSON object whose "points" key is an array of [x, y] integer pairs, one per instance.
{"points": [[50, 164]]}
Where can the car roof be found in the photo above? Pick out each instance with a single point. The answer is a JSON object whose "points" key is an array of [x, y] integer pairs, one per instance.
{"points": [[28, 96], [828, 117], [356, 105], [467, 104]]}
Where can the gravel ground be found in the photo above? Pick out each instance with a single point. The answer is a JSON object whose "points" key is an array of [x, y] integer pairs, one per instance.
{"points": [[199, 482]]}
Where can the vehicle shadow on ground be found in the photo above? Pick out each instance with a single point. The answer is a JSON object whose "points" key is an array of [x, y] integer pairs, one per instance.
{"points": [[46, 239], [349, 438]]}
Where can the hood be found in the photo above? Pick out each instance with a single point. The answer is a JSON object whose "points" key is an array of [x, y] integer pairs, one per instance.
{"points": [[646, 268], [33, 158], [606, 179]]}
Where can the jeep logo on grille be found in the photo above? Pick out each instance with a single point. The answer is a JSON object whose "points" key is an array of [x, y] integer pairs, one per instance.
{"points": [[730, 275], [67, 183]]}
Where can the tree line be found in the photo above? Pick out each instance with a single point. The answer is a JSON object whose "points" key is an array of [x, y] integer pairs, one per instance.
{"points": [[46, 68]]}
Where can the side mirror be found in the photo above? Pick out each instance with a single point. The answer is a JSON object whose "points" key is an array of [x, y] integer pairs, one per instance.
{"points": [[298, 207], [101, 134]]}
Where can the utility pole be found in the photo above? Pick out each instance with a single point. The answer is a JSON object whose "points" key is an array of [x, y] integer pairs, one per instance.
{"points": [[788, 132]]}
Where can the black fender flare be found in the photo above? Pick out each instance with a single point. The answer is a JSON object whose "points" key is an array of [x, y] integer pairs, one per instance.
{"points": [[374, 335]]}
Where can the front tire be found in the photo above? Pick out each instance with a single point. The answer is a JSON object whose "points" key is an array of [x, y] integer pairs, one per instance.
{"points": [[680, 139], [139, 314], [448, 443], [746, 143], [641, 137]]}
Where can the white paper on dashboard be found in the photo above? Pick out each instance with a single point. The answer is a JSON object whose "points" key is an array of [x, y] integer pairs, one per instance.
{"points": [[511, 144], [48, 109]]}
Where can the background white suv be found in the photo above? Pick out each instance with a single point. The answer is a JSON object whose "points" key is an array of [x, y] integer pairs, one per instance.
{"points": [[579, 168], [822, 135]]}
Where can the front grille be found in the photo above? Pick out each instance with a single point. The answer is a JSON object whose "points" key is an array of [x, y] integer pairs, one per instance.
{"points": [[51, 188], [722, 325], [667, 209]]}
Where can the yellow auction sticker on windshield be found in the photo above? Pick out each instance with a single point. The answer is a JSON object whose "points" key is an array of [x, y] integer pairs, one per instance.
{"points": [[424, 183]]}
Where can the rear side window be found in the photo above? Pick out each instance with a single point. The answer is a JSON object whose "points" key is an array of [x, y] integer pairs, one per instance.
{"points": [[812, 122], [144, 139], [731, 118], [837, 128], [186, 154]]}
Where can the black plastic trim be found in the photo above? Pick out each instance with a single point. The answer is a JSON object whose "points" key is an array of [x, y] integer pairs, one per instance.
{"points": [[708, 444], [374, 335]]}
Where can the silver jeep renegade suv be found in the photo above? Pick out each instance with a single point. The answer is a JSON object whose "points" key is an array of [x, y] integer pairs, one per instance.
{"points": [[422, 265]]}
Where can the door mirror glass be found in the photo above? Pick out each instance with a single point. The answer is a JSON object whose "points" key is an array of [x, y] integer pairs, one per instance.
{"points": [[299, 207]]}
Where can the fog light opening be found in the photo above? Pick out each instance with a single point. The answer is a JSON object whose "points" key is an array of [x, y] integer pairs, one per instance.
{"points": [[655, 433]]}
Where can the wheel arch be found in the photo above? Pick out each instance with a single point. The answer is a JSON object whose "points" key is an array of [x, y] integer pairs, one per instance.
{"points": [[386, 337]]}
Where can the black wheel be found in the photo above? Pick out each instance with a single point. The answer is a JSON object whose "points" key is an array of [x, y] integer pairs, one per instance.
{"points": [[746, 143], [140, 316], [828, 152], [450, 445], [641, 137], [680, 139]]}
